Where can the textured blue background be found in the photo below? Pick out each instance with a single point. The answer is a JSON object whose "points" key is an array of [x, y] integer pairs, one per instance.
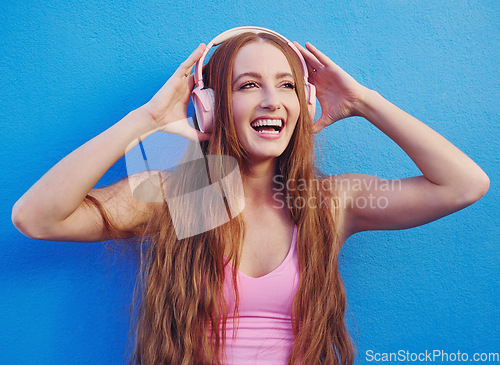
{"points": [[68, 70]]}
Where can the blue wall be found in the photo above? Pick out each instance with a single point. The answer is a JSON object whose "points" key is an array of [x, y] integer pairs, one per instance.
{"points": [[70, 69]]}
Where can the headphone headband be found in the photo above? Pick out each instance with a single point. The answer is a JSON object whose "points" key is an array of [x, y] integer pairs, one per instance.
{"points": [[198, 77], [203, 99]]}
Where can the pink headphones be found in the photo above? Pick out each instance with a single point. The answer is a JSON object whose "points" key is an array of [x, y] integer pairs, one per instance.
{"points": [[203, 99]]}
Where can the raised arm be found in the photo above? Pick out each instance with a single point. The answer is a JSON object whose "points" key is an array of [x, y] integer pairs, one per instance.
{"points": [[450, 181], [56, 208]]}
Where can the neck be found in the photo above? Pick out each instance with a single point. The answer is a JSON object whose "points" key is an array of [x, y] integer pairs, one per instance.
{"points": [[258, 181]]}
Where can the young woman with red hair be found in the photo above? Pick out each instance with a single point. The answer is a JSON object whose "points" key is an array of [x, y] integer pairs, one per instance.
{"points": [[264, 287]]}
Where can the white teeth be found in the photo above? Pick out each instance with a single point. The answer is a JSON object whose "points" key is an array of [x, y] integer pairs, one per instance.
{"points": [[269, 132], [267, 122]]}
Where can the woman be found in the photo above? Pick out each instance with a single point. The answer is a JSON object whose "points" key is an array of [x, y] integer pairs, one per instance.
{"points": [[264, 287]]}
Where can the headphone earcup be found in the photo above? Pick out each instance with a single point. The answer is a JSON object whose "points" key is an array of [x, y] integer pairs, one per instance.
{"points": [[203, 101], [311, 99]]}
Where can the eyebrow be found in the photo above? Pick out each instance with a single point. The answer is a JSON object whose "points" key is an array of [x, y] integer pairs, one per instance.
{"points": [[279, 75]]}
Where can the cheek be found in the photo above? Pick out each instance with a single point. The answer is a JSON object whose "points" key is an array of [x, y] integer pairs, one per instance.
{"points": [[237, 112], [240, 114], [241, 110], [294, 108], [297, 110]]}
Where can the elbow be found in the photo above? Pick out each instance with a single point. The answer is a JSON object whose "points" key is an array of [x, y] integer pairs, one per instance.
{"points": [[486, 184], [482, 184], [476, 188], [26, 222], [19, 219]]}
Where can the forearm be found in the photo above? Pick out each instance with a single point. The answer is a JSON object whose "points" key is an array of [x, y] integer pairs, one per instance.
{"points": [[64, 187], [439, 160]]}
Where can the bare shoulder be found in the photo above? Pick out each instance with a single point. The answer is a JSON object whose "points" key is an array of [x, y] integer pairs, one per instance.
{"points": [[123, 208], [332, 191]]}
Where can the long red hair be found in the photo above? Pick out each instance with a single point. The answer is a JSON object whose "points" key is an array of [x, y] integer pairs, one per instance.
{"points": [[182, 314]]}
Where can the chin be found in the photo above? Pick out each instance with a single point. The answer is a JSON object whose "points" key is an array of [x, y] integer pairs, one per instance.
{"points": [[265, 149], [266, 155]]}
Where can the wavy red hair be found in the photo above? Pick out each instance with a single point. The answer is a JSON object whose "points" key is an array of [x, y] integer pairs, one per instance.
{"points": [[182, 314]]}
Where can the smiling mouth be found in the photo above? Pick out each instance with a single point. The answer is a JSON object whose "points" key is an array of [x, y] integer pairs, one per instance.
{"points": [[271, 126]]}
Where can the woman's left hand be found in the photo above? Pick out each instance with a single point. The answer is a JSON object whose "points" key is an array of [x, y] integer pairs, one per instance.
{"points": [[449, 182], [337, 92]]}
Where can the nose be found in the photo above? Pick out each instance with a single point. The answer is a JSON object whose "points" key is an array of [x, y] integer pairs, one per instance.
{"points": [[270, 99]]}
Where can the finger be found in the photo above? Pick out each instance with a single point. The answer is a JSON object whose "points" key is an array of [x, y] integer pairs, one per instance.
{"points": [[194, 56], [191, 82], [203, 136], [311, 72], [193, 134], [325, 60], [311, 60], [184, 129], [318, 126], [186, 66]]}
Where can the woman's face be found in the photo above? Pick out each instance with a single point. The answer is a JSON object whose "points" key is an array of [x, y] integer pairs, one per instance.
{"points": [[265, 105]]}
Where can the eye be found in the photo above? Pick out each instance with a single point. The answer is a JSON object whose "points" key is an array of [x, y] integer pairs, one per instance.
{"points": [[248, 85], [289, 85]]}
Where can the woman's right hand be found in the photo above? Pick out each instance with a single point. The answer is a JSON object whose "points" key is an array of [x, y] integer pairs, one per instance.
{"points": [[167, 108], [57, 206]]}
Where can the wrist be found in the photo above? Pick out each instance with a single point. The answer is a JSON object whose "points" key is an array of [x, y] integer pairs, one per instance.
{"points": [[140, 121], [133, 128], [366, 103]]}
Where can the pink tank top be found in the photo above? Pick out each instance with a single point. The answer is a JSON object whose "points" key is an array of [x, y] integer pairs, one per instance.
{"points": [[264, 334]]}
